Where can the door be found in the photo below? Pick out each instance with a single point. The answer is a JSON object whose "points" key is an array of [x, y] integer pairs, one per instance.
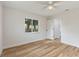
{"points": [[56, 29]]}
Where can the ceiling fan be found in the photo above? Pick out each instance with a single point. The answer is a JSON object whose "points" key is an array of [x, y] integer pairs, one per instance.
{"points": [[50, 5]]}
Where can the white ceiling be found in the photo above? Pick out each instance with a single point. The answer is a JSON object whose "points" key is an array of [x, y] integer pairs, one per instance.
{"points": [[38, 6]]}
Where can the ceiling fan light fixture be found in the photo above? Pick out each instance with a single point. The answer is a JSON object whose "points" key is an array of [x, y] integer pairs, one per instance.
{"points": [[50, 7]]}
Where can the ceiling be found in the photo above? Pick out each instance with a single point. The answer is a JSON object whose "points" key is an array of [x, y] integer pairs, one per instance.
{"points": [[37, 7]]}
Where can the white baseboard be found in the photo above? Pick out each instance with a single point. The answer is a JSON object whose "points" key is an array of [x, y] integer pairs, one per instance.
{"points": [[22, 43], [70, 43]]}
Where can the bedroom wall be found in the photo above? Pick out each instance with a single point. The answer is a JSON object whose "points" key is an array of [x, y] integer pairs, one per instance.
{"points": [[70, 27], [14, 30], [1, 28]]}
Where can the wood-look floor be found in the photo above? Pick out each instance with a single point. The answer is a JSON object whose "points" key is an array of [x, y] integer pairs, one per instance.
{"points": [[42, 48]]}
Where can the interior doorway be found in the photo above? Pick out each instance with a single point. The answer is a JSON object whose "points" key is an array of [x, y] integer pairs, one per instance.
{"points": [[56, 29]]}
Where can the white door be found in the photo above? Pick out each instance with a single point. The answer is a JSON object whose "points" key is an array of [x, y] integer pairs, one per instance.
{"points": [[56, 29]]}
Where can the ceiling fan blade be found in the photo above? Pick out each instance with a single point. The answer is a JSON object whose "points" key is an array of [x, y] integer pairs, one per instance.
{"points": [[49, 4], [57, 3]]}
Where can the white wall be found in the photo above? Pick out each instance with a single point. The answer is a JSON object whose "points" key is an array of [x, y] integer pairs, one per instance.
{"points": [[70, 27], [0, 28], [14, 30], [69, 24]]}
